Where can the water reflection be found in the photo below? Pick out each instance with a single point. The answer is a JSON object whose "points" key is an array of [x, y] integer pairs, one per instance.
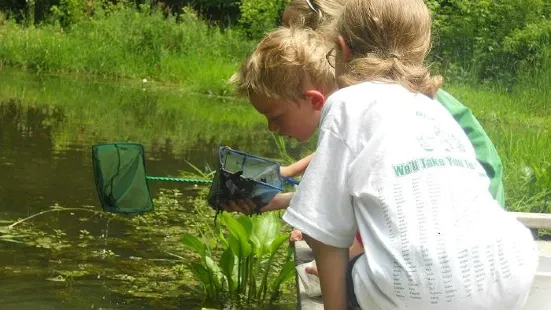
{"points": [[47, 128], [46, 135]]}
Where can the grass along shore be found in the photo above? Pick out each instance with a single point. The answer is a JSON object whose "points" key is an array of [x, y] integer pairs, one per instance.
{"points": [[132, 45], [184, 51]]}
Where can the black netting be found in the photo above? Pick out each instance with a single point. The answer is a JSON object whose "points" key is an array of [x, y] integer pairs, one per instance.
{"points": [[244, 176]]}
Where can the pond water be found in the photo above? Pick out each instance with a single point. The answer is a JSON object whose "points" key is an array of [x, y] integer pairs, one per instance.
{"points": [[90, 260]]}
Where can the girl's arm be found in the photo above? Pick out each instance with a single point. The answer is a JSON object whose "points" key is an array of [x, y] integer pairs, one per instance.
{"points": [[280, 201], [332, 264], [353, 251], [296, 168]]}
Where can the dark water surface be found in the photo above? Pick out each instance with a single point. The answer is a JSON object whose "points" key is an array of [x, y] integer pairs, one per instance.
{"points": [[84, 260]]}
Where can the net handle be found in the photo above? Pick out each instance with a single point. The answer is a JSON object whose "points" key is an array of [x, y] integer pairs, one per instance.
{"points": [[205, 181], [182, 180]]}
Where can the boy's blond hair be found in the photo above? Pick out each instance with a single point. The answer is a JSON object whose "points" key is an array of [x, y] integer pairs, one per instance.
{"points": [[311, 13], [285, 62], [389, 40]]}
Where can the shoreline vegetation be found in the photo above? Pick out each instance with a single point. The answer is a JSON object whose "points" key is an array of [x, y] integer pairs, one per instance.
{"points": [[124, 43]]}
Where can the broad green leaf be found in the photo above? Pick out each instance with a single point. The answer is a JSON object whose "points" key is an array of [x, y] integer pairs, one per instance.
{"points": [[276, 244], [201, 273], [195, 244], [247, 224], [266, 229], [235, 245], [227, 264], [220, 234], [254, 237], [237, 230], [287, 272], [215, 271], [257, 246]]}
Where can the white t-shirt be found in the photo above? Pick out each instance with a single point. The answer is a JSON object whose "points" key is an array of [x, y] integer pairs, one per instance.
{"points": [[396, 166]]}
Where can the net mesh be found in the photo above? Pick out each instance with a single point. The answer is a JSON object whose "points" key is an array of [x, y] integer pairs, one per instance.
{"points": [[120, 177], [244, 176]]}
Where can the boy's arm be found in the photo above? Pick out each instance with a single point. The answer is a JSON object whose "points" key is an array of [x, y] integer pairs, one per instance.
{"points": [[280, 201], [296, 168], [332, 264]]}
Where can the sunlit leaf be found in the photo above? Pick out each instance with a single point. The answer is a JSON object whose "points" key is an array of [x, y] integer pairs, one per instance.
{"points": [[247, 224], [235, 245], [227, 264], [266, 229], [215, 271], [287, 273], [194, 243], [276, 244], [201, 273], [59, 278], [10, 240], [238, 231]]}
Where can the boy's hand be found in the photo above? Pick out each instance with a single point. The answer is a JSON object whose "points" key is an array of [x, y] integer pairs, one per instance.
{"points": [[243, 206]]}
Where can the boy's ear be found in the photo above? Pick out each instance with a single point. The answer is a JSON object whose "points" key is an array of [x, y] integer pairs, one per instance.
{"points": [[316, 98], [346, 53]]}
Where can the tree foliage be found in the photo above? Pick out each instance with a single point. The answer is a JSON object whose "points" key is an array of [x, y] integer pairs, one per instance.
{"points": [[474, 40]]}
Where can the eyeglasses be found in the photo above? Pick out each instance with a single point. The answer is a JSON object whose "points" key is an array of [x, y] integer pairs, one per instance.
{"points": [[311, 5], [330, 56]]}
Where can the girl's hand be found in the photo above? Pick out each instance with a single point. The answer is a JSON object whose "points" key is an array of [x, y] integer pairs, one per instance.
{"points": [[296, 168], [285, 171], [296, 235]]}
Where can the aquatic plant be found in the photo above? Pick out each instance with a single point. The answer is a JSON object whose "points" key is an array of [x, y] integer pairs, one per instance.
{"points": [[248, 267]]}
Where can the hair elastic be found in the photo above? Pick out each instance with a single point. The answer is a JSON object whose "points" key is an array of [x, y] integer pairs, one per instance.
{"points": [[311, 6], [384, 55]]}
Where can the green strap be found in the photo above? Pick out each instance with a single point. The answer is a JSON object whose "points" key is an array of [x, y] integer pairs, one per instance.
{"points": [[184, 180], [485, 150]]}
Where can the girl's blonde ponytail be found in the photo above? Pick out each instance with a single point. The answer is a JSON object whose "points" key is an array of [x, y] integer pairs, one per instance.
{"points": [[389, 40]]}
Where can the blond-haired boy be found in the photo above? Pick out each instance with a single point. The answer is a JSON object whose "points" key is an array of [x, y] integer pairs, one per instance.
{"points": [[287, 65], [286, 77]]}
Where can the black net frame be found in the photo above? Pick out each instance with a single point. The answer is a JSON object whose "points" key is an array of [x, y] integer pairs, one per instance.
{"points": [[242, 176]]}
